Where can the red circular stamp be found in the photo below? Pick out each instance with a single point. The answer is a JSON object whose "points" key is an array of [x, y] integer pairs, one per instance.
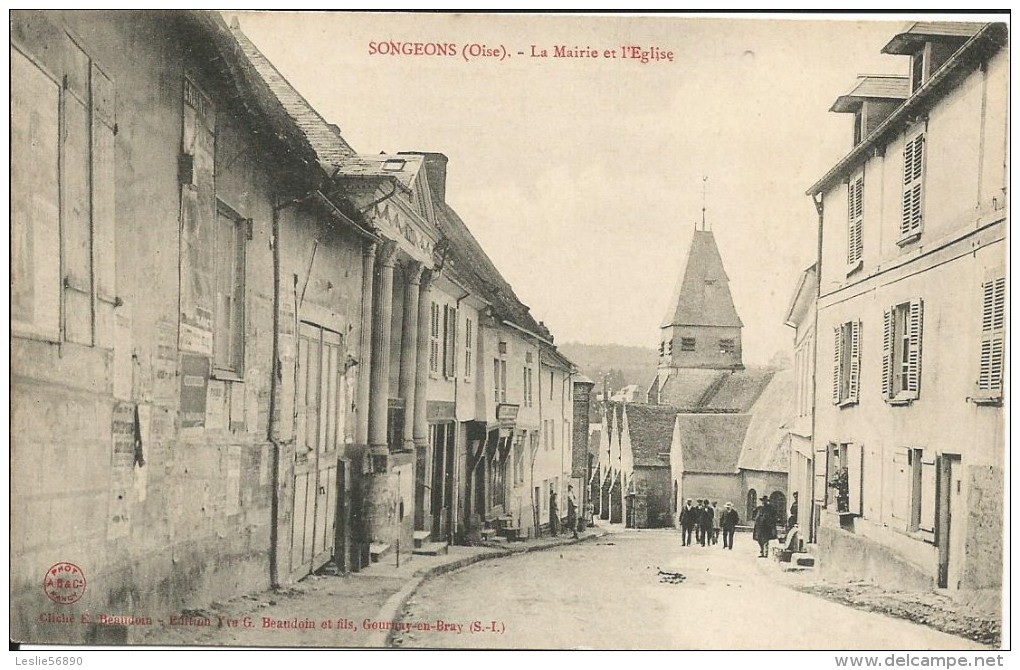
{"points": [[64, 583]]}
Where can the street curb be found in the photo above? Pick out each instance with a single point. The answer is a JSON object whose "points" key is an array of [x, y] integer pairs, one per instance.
{"points": [[390, 611]]}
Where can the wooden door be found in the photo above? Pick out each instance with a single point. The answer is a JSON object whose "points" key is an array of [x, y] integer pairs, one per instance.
{"points": [[319, 406]]}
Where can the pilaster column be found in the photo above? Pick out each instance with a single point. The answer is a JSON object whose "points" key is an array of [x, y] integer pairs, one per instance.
{"points": [[364, 384], [409, 350], [381, 338], [421, 385]]}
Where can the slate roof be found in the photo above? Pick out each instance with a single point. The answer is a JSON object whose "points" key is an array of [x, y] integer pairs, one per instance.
{"points": [[711, 443], [700, 390], [892, 87], [651, 431], [324, 137], [918, 32], [382, 165], [767, 442], [702, 295]]}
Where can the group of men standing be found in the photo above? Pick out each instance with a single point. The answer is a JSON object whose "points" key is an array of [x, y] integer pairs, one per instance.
{"points": [[704, 521]]}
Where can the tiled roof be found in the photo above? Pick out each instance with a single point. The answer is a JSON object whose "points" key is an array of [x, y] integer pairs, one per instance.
{"points": [[919, 32], [324, 137], [710, 443], [651, 431], [702, 295], [892, 87], [767, 442]]}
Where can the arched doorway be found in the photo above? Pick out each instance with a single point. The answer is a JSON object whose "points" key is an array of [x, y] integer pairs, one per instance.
{"points": [[778, 502], [752, 501]]}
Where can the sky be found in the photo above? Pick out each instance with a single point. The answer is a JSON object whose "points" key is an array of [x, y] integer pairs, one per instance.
{"points": [[583, 178]]}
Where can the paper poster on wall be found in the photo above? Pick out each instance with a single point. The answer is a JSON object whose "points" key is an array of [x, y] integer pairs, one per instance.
{"points": [[164, 364], [216, 406], [194, 381], [233, 469]]}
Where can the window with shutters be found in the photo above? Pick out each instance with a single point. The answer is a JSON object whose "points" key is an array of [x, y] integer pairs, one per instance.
{"points": [[846, 364], [529, 392], [228, 292], [62, 196], [499, 380], [993, 341], [901, 352], [913, 190], [855, 224], [434, 339], [469, 340], [449, 341]]}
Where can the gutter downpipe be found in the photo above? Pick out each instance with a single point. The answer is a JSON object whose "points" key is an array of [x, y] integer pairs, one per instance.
{"points": [[456, 406], [820, 208], [274, 392]]}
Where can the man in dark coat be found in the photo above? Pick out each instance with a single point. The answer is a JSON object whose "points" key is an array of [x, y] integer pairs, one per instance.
{"points": [[688, 521], [554, 512], [706, 522], [764, 526], [728, 521]]}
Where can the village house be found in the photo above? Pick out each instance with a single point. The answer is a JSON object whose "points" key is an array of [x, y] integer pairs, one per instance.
{"points": [[252, 352], [152, 186], [801, 316], [908, 432]]}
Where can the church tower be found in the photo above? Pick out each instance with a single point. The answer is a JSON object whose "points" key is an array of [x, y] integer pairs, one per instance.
{"points": [[701, 330]]}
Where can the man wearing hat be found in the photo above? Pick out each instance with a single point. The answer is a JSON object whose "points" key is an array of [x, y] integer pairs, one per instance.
{"points": [[728, 521], [688, 520], [764, 526]]}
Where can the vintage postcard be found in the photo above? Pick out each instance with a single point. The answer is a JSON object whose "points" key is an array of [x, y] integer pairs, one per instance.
{"points": [[510, 331]]}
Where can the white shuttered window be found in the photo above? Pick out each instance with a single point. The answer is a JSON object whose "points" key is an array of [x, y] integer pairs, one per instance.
{"points": [[846, 366], [855, 222], [913, 188], [901, 351], [993, 338]]}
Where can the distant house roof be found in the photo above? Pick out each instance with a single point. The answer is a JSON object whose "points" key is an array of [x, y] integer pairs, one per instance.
{"points": [[919, 32], [702, 295], [324, 137], [889, 87], [739, 390], [651, 431], [710, 443], [766, 444]]}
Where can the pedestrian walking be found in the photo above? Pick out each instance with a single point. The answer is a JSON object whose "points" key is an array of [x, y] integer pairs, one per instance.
{"points": [[715, 523], [688, 521], [572, 521], [554, 513], [706, 522], [728, 522], [764, 526], [792, 521]]}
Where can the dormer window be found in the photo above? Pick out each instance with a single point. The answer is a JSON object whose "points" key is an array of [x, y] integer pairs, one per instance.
{"points": [[393, 165], [859, 126], [918, 69]]}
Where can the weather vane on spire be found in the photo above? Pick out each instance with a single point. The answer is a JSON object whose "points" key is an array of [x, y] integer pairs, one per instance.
{"points": [[704, 185]]}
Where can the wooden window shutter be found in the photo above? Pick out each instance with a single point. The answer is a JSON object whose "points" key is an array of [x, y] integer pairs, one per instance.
{"points": [[915, 322], [887, 354], [992, 337], [837, 359], [913, 164], [855, 477], [452, 335], [821, 466], [855, 360], [855, 219], [928, 493], [901, 475]]}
